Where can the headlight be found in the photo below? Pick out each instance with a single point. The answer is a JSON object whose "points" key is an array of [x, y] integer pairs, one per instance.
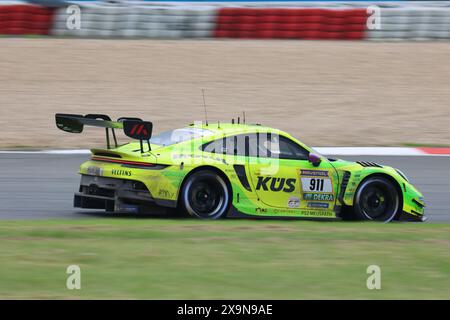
{"points": [[402, 174]]}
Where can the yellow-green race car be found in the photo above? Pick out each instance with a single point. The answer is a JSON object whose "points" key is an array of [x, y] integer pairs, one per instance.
{"points": [[218, 170]]}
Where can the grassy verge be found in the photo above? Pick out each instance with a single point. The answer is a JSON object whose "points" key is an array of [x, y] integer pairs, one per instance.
{"points": [[178, 259], [426, 145]]}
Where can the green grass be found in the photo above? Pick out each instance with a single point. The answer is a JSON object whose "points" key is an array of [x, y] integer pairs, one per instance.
{"points": [[429, 145], [233, 259]]}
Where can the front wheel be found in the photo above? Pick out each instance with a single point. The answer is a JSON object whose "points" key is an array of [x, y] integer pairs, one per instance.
{"points": [[205, 195], [377, 199]]}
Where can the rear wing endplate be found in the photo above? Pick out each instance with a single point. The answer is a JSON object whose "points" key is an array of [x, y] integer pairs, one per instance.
{"points": [[134, 128]]}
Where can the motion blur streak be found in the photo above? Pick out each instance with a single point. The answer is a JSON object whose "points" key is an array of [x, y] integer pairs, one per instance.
{"points": [[41, 186]]}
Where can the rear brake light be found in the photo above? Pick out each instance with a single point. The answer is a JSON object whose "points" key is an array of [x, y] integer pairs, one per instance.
{"points": [[135, 163]]}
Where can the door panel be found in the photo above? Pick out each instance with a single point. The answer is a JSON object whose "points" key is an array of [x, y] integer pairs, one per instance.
{"points": [[275, 181], [319, 186], [285, 182], [294, 185]]}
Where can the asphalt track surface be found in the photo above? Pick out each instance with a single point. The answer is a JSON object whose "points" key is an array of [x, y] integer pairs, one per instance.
{"points": [[41, 186]]}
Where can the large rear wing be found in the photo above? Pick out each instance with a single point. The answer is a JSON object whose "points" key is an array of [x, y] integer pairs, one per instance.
{"points": [[134, 128]]}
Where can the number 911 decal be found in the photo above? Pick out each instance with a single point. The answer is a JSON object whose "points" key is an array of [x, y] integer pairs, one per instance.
{"points": [[317, 181]]}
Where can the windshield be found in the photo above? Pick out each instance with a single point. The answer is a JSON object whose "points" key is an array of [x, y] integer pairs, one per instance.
{"points": [[170, 137]]}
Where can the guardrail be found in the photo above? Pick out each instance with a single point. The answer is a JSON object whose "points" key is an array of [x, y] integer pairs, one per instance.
{"points": [[344, 22], [139, 21], [413, 24]]}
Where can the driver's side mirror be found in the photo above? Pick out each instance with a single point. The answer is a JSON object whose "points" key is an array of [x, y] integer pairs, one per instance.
{"points": [[314, 159]]}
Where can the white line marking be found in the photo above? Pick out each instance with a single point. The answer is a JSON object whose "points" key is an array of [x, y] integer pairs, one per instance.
{"points": [[370, 151], [75, 151]]}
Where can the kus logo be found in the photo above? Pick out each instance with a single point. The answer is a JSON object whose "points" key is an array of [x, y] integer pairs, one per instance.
{"points": [[276, 184]]}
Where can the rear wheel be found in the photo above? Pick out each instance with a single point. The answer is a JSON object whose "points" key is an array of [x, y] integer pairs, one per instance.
{"points": [[205, 195], [377, 199]]}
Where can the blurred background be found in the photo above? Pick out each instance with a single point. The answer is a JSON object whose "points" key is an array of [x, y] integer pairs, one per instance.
{"points": [[314, 69], [334, 73]]}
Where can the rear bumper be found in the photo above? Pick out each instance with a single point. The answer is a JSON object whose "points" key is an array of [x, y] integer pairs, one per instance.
{"points": [[93, 202], [116, 195], [116, 206]]}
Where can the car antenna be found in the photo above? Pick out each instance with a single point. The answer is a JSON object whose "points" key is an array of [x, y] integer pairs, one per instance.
{"points": [[243, 117], [204, 105], [232, 120], [239, 120]]}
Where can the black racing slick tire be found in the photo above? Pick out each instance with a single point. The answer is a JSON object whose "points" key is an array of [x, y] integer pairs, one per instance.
{"points": [[377, 199], [205, 194]]}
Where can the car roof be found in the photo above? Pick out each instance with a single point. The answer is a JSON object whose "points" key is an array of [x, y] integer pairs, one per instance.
{"points": [[220, 129]]}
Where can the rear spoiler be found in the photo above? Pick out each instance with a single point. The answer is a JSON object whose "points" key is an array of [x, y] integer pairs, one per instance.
{"points": [[134, 128]]}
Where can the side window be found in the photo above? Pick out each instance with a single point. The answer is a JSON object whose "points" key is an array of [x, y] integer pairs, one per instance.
{"points": [[283, 148], [233, 145], [290, 150], [217, 146], [264, 145]]}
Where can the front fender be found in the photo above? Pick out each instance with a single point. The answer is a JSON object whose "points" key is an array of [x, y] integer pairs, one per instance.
{"points": [[412, 199]]}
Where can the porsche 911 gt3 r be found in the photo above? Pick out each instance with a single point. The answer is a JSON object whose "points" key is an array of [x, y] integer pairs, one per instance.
{"points": [[219, 170]]}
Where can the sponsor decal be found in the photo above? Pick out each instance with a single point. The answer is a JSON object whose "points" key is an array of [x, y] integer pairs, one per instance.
{"points": [[317, 185], [306, 213], [314, 173], [293, 202], [94, 171], [356, 179], [318, 196], [276, 184], [163, 193], [320, 205], [350, 194], [284, 211], [195, 157], [120, 172], [138, 129], [261, 210], [318, 213]]}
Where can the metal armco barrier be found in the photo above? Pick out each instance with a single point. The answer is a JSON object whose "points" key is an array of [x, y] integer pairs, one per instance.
{"points": [[340, 22], [136, 21], [413, 24]]}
